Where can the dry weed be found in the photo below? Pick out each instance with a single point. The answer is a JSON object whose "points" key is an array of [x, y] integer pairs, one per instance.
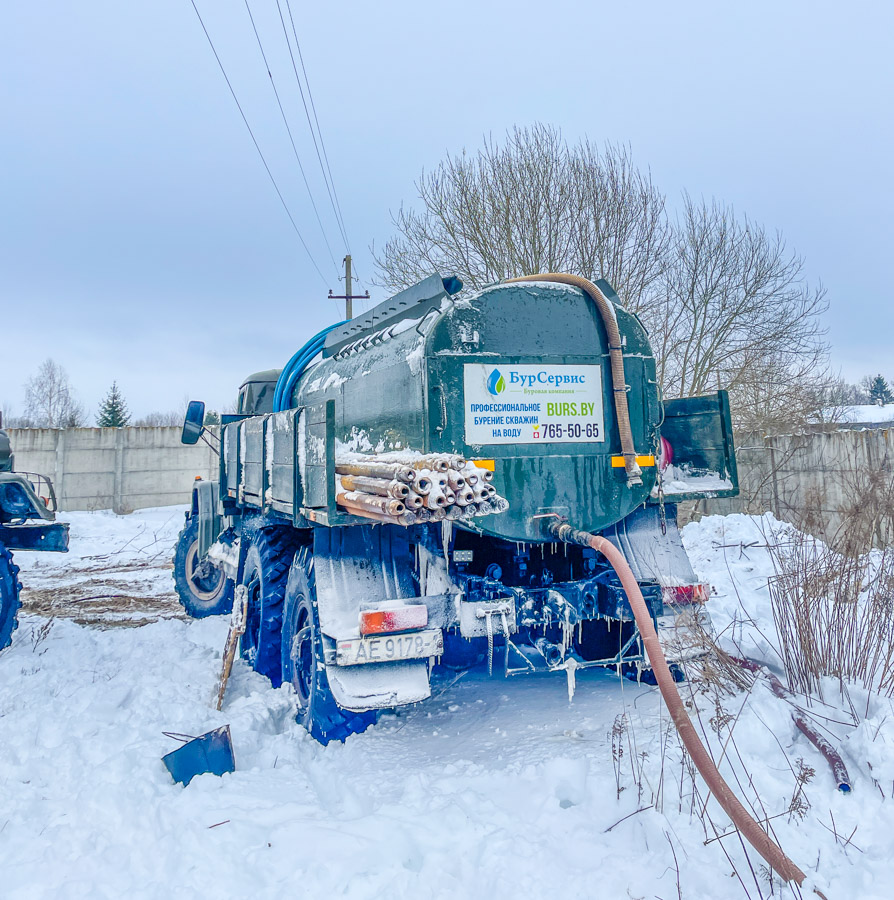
{"points": [[833, 615]]}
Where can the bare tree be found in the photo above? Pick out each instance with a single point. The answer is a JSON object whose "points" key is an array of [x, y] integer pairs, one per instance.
{"points": [[843, 393], [533, 204], [735, 312], [175, 416], [621, 231], [172, 417], [726, 303], [8, 420], [49, 399]]}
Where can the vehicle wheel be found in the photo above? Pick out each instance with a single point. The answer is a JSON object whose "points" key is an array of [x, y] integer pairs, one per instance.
{"points": [[462, 653], [9, 597], [302, 660], [203, 591], [266, 571]]}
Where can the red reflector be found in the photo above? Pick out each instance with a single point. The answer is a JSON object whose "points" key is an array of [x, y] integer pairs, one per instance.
{"points": [[686, 593], [388, 621], [665, 454]]}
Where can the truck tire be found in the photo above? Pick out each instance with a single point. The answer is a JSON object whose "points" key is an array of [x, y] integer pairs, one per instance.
{"points": [[200, 597], [9, 597], [302, 660], [461, 654], [264, 576]]}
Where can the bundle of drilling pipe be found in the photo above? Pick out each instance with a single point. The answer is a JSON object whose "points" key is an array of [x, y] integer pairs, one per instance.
{"points": [[429, 489]]}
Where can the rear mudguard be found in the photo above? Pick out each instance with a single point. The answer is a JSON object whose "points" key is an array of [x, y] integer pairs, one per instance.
{"points": [[380, 685], [206, 506], [356, 566], [652, 545]]}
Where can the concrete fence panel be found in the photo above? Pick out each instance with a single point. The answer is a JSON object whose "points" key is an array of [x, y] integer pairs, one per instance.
{"points": [[814, 481], [826, 482], [114, 468]]}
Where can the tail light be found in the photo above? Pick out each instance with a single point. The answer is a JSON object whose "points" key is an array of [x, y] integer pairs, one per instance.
{"points": [[665, 454], [681, 594], [389, 621]]}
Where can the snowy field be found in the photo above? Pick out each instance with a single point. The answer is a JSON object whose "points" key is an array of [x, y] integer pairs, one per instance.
{"points": [[117, 571], [493, 788]]}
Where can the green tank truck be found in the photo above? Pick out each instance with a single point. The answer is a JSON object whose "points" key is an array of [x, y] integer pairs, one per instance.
{"points": [[389, 506]]}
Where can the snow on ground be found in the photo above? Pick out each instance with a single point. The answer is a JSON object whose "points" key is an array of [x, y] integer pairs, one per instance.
{"points": [[868, 413], [492, 788], [117, 571]]}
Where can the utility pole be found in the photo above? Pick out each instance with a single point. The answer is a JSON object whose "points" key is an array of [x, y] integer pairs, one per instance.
{"points": [[349, 304], [347, 296]]}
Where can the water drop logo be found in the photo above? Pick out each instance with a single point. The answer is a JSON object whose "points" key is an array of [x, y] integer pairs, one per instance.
{"points": [[496, 383]]}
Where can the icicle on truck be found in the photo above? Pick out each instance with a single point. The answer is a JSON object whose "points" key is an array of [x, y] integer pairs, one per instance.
{"points": [[27, 522], [394, 504]]}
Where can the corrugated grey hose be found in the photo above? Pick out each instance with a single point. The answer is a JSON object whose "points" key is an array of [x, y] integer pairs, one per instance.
{"points": [[751, 831], [619, 383]]}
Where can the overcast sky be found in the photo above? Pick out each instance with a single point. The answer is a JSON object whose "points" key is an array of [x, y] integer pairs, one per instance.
{"points": [[141, 240]]}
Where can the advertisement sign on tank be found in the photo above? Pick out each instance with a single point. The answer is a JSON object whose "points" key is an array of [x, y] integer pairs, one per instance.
{"points": [[530, 404]]}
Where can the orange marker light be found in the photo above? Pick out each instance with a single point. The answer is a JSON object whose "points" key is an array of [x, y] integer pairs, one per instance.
{"points": [[389, 621]]}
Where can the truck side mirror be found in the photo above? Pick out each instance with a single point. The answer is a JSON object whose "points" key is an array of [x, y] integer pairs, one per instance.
{"points": [[193, 422]]}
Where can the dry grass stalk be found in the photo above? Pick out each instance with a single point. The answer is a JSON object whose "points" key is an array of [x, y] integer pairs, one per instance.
{"points": [[834, 615]]}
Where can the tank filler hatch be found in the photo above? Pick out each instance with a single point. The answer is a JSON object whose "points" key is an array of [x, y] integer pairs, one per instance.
{"points": [[413, 303]]}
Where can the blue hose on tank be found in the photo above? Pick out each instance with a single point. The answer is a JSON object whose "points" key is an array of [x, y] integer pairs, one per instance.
{"points": [[295, 368]]}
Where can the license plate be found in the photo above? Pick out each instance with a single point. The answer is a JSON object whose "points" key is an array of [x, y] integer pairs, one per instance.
{"points": [[390, 647]]}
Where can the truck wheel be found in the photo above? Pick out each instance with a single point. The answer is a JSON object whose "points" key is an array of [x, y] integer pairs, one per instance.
{"points": [[201, 593], [302, 660], [462, 653], [9, 596], [266, 571]]}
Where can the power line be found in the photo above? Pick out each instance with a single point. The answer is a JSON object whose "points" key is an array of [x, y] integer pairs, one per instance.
{"points": [[257, 146], [289, 130], [333, 196], [313, 106], [356, 276]]}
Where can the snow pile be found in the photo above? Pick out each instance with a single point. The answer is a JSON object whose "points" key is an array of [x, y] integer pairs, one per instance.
{"points": [[731, 553], [491, 788], [681, 480]]}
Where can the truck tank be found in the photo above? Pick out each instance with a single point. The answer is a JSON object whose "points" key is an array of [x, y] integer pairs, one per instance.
{"points": [[391, 510], [516, 374]]}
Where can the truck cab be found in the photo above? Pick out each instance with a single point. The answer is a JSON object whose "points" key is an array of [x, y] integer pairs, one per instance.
{"points": [[256, 393]]}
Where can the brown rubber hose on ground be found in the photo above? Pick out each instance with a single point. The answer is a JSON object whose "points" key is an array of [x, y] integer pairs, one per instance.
{"points": [[751, 831], [616, 356]]}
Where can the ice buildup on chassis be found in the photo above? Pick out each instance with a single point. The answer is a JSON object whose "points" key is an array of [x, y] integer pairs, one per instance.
{"points": [[386, 508]]}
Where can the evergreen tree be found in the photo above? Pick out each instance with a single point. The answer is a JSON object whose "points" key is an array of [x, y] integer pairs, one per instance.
{"points": [[212, 417], [879, 392], [113, 410]]}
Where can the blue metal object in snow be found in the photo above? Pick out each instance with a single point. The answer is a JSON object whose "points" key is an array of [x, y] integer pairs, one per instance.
{"points": [[210, 753]]}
